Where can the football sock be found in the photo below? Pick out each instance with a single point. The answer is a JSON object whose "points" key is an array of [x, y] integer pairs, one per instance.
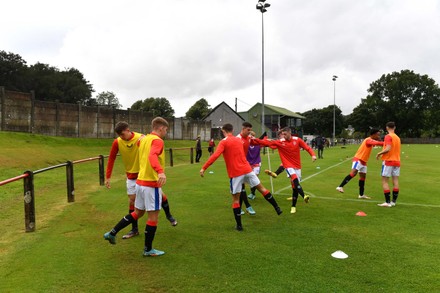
{"points": [[253, 190], [237, 214], [124, 222], [134, 224], [150, 231], [279, 170], [298, 187], [294, 197], [243, 198], [395, 194], [346, 179], [361, 186], [166, 207], [268, 196], [387, 195]]}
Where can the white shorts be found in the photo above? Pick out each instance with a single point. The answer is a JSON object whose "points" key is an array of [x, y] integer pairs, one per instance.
{"points": [[291, 171], [236, 182], [148, 198], [359, 166], [131, 186], [388, 171], [256, 169]]}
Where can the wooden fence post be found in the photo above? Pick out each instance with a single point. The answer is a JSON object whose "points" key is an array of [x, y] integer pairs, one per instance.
{"points": [[101, 170], [29, 201], [171, 157], [70, 183]]}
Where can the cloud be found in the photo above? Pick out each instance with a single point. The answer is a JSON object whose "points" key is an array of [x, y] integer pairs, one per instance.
{"points": [[185, 51]]}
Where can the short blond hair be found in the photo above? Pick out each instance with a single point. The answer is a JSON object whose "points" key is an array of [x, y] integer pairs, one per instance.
{"points": [[158, 122], [286, 129]]}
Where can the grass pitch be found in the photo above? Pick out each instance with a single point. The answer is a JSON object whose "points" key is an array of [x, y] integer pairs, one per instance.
{"points": [[390, 250]]}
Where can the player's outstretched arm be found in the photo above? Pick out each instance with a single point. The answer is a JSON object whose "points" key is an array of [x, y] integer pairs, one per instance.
{"points": [[262, 142], [213, 157]]}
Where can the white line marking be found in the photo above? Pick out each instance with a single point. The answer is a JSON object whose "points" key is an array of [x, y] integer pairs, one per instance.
{"points": [[311, 176], [364, 200], [278, 192]]}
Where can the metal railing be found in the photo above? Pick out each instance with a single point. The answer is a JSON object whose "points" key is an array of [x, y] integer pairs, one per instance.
{"points": [[29, 193], [28, 181]]}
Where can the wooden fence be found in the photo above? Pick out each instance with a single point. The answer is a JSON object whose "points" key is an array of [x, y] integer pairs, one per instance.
{"points": [[29, 177]]}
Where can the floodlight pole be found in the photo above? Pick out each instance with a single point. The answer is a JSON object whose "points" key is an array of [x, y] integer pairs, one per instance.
{"points": [[334, 108], [261, 5], [262, 73]]}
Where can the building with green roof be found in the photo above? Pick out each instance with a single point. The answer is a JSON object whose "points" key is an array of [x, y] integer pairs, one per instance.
{"points": [[275, 118]]}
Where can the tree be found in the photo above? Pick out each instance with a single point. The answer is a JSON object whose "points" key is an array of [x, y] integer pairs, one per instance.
{"points": [[12, 71], [145, 105], [74, 86], [108, 99], [320, 121], [409, 99], [361, 119], [49, 83], [199, 110], [158, 106]]}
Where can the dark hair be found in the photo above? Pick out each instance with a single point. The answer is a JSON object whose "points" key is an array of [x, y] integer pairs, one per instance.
{"points": [[121, 126], [228, 127], [374, 131], [391, 124], [246, 124]]}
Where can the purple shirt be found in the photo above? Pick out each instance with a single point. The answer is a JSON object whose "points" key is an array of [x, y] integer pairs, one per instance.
{"points": [[253, 155]]}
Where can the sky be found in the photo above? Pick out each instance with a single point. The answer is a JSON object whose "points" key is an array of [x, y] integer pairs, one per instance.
{"points": [[212, 49]]}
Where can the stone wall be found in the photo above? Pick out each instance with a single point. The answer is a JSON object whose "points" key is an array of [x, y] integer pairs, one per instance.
{"points": [[20, 112]]}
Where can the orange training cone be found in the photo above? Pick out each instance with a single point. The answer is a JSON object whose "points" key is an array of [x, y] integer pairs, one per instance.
{"points": [[361, 214]]}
